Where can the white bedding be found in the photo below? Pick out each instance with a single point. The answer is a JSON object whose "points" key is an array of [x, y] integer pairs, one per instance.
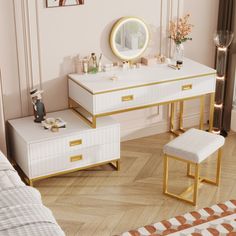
{"points": [[21, 210]]}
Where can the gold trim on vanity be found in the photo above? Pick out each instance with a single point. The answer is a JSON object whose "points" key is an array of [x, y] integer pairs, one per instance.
{"points": [[30, 181], [141, 85], [76, 106], [92, 123]]}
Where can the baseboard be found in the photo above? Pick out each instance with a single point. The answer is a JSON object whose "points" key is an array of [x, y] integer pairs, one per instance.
{"points": [[160, 127], [233, 120]]}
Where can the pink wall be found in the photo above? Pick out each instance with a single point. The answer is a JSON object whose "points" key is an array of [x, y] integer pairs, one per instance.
{"points": [[204, 18]]}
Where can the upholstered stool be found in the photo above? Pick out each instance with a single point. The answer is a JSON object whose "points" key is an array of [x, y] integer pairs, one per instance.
{"points": [[193, 147]]}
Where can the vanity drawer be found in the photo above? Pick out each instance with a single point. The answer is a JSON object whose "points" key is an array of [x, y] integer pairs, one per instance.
{"points": [[69, 161], [188, 88], [122, 99], [60, 146], [157, 93]]}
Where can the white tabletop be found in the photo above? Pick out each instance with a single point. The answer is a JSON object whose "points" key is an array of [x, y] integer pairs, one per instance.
{"points": [[101, 82], [34, 132]]}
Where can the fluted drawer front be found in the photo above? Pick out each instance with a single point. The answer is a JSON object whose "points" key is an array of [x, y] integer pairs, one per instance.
{"points": [[43, 150], [80, 158], [156, 93]]}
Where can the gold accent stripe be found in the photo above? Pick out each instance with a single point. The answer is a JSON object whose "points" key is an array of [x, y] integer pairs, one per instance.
{"points": [[76, 158], [75, 142], [142, 85], [146, 106], [70, 171]]}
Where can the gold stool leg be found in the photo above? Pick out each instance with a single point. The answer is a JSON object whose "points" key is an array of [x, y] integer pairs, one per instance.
{"points": [[196, 184], [165, 174], [218, 170]]}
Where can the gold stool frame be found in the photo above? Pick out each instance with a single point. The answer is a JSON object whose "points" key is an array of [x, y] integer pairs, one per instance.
{"points": [[197, 178]]}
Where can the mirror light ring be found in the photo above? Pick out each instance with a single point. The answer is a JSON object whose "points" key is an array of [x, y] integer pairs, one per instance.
{"points": [[116, 27]]}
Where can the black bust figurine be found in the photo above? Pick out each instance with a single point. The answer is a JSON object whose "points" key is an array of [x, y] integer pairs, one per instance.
{"points": [[39, 109]]}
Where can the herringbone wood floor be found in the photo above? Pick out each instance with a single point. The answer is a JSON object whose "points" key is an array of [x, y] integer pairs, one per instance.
{"points": [[102, 202]]}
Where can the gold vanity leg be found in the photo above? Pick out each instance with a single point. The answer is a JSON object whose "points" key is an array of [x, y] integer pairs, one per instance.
{"points": [[218, 170], [115, 164], [91, 121], [30, 182], [211, 118], [69, 104], [118, 165], [94, 122], [181, 113], [196, 184], [165, 174], [172, 117], [202, 106]]}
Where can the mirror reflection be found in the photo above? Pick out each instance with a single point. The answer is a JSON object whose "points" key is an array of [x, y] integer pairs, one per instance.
{"points": [[129, 38]]}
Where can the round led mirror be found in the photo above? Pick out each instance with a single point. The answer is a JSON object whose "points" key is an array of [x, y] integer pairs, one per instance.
{"points": [[129, 38]]}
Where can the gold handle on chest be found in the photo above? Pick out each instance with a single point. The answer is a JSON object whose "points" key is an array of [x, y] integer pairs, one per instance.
{"points": [[75, 142], [187, 87], [76, 158], [127, 98]]}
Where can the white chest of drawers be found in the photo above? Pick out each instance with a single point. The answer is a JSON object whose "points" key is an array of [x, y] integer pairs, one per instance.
{"points": [[41, 153], [98, 95]]}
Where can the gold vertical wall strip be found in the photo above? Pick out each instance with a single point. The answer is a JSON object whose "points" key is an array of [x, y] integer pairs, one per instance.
{"points": [[18, 66], [39, 46]]}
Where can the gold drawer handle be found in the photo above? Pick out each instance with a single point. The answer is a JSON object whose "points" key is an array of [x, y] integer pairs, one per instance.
{"points": [[127, 98], [187, 87], [75, 142], [76, 158]]}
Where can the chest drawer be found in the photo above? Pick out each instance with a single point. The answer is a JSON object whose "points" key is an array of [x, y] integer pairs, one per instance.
{"points": [[72, 143], [157, 93], [73, 160]]}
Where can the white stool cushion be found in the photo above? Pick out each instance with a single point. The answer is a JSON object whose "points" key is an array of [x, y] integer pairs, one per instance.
{"points": [[194, 145]]}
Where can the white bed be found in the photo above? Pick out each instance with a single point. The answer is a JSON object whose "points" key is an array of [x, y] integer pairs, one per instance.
{"points": [[22, 212]]}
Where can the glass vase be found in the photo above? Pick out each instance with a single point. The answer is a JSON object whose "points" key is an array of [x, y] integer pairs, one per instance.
{"points": [[179, 53]]}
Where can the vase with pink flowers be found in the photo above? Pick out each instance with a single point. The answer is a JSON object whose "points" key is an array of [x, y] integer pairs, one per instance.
{"points": [[179, 33]]}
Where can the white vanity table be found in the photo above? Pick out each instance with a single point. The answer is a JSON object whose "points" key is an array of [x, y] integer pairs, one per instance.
{"points": [[107, 93]]}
